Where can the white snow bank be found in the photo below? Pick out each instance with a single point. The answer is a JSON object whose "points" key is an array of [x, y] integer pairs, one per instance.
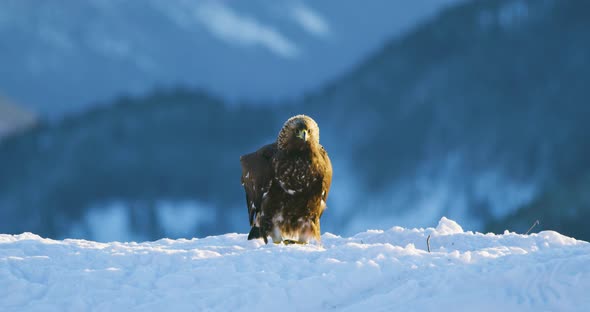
{"points": [[375, 270]]}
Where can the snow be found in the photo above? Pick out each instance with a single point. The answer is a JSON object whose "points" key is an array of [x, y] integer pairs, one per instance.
{"points": [[310, 20], [111, 220], [179, 217], [447, 227], [378, 270], [230, 26], [442, 186]]}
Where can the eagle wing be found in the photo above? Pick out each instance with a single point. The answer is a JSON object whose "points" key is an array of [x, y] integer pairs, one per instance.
{"points": [[257, 174], [327, 177]]}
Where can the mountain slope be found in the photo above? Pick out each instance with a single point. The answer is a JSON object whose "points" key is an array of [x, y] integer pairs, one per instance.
{"points": [[64, 58], [388, 270], [562, 205], [14, 119], [169, 148], [477, 115], [473, 115]]}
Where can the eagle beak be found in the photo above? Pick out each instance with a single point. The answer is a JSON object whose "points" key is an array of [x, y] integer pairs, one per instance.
{"points": [[302, 134]]}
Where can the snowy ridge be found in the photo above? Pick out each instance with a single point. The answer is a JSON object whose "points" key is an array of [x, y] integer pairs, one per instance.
{"points": [[378, 270]]}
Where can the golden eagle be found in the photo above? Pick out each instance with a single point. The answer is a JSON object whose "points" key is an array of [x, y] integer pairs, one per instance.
{"points": [[287, 184]]}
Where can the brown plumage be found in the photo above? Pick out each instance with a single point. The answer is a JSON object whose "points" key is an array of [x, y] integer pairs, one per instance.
{"points": [[287, 184]]}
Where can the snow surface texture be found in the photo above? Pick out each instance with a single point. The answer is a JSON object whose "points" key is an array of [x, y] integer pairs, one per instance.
{"points": [[371, 271]]}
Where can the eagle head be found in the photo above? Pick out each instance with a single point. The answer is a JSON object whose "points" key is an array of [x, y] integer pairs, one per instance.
{"points": [[298, 133]]}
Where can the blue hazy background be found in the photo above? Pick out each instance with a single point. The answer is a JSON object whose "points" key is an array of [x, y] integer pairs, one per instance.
{"points": [[123, 120]]}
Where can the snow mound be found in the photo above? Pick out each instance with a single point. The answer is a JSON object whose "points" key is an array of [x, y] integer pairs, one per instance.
{"points": [[447, 227], [375, 270]]}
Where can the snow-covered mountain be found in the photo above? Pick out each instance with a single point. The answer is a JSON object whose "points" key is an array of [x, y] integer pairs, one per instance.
{"points": [[376, 270], [476, 114], [480, 114], [62, 57]]}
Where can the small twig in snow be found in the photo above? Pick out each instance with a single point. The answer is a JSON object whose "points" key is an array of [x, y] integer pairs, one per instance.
{"points": [[428, 242], [532, 226]]}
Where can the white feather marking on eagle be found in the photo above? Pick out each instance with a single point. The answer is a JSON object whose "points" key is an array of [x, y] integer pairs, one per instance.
{"points": [[277, 218], [290, 192]]}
